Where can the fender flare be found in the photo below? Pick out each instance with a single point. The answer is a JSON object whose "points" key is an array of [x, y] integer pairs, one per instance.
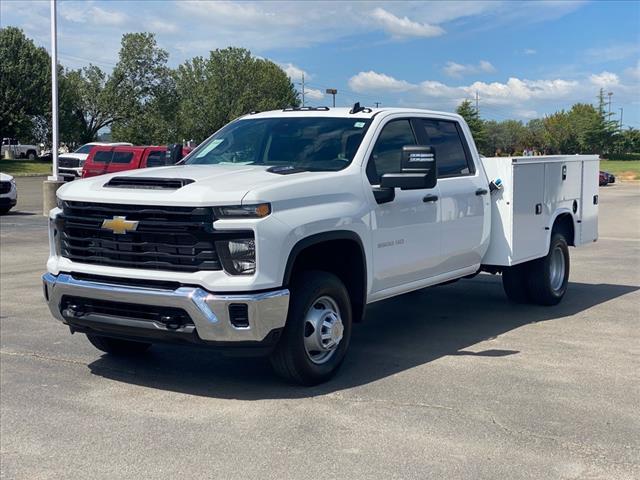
{"points": [[318, 238], [359, 304], [554, 217]]}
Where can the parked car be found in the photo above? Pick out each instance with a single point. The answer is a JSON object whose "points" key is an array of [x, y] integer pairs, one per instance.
{"points": [[274, 234], [105, 159], [606, 178], [19, 150], [8, 193], [70, 164], [603, 179]]}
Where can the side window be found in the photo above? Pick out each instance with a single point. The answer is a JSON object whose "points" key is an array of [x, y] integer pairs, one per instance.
{"points": [[387, 151], [452, 156], [102, 156], [122, 157], [158, 159]]}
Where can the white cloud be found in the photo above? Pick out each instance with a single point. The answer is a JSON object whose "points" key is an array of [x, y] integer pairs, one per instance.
{"points": [[158, 25], [458, 70], [530, 51], [610, 53], [87, 13], [515, 97], [313, 94], [377, 82], [633, 72], [294, 72], [604, 79], [404, 27]]}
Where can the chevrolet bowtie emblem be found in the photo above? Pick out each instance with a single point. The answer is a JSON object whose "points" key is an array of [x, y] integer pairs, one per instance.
{"points": [[120, 225]]}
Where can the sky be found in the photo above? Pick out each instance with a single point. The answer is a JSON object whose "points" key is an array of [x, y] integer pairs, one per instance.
{"points": [[522, 59]]}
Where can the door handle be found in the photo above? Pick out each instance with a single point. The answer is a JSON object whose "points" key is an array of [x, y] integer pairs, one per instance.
{"points": [[430, 198], [482, 191]]}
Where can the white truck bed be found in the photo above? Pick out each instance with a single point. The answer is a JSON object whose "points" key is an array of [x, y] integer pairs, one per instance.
{"points": [[535, 191]]}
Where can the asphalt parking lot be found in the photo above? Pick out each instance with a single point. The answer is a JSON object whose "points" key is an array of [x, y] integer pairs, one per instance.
{"points": [[449, 382]]}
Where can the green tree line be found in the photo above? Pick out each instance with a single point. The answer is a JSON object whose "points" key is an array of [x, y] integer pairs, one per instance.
{"points": [[584, 129], [142, 100]]}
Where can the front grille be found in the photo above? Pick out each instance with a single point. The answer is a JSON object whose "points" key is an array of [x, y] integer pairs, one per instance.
{"points": [[80, 306], [166, 238], [5, 187], [68, 162]]}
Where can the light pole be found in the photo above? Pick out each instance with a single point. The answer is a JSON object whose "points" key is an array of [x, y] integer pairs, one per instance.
{"points": [[333, 92], [51, 185]]}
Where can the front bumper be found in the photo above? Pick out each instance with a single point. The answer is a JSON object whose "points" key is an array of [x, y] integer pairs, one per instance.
{"points": [[70, 173], [209, 312]]}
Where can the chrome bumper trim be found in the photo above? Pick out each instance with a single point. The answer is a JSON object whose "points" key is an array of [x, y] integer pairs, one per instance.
{"points": [[209, 311]]}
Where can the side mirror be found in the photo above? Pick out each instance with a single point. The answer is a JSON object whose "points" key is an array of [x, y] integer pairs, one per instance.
{"points": [[174, 153], [417, 169]]}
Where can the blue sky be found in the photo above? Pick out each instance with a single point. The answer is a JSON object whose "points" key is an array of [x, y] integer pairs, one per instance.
{"points": [[524, 59]]}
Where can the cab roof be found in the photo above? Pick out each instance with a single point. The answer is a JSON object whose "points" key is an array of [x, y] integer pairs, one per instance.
{"points": [[343, 112]]}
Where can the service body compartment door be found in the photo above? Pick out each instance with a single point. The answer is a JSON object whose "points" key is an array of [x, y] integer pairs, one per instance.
{"points": [[589, 202], [529, 218]]}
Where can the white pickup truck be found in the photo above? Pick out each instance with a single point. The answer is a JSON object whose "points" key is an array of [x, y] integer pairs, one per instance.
{"points": [[276, 232]]}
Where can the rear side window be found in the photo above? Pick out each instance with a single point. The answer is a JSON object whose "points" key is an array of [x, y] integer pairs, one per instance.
{"points": [[102, 156], [387, 152], [452, 156], [158, 159], [122, 157]]}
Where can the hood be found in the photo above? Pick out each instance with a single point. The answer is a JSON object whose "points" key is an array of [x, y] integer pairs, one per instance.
{"points": [[77, 156], [212, 185], [5, 178]]}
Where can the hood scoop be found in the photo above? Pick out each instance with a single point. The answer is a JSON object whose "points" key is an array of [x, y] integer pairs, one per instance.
{"points": [[149, 183]]}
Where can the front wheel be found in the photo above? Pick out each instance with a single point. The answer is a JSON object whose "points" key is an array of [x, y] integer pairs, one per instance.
{"points": [[548, 276], [116, 346], [31, 155], [318, 330]]}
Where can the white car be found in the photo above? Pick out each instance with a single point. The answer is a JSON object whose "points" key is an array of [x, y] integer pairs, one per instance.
{"points": [[277, 231], [8, 193], [70, 164]]}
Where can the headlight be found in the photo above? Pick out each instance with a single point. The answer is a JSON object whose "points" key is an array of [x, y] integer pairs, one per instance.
{"points": [[259, 210], [59, 203], [238, 256]]}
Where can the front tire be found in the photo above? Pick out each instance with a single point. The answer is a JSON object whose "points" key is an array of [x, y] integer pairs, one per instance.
{"points": [[31, 155], [318, 330], [549, 275], [115, 346]]}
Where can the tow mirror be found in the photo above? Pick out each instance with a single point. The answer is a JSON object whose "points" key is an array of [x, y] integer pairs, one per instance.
{"points": [[418, 169]]}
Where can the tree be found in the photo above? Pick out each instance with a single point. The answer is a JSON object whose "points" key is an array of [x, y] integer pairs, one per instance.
{"points": [[142, 91], [228, 84], [24, 83], [467, 111]]}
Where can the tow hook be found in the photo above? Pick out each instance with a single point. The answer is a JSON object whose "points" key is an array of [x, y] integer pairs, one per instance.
{"points": [[73, 311], [172, 323]]}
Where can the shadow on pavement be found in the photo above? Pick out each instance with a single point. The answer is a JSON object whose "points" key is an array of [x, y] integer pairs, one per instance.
{"points": [[398, 334]]}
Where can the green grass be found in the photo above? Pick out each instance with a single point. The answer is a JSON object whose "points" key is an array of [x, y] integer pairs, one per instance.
{"points": [[19, 168], [622, 169]]}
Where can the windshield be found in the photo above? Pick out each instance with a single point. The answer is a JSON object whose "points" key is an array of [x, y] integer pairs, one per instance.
{"points": [[85, 148], [306, 142]]}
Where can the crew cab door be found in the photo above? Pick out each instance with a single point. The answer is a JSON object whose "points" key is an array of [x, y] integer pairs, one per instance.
{"points": [[124, 159], [406, 230], [464, 195]]}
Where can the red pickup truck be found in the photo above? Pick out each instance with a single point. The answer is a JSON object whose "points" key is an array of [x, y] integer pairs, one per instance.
{"points": [[105, 159]]}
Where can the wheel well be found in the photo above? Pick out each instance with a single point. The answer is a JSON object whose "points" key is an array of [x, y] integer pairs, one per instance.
{"points": [[343, 257], [564, 224]]}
